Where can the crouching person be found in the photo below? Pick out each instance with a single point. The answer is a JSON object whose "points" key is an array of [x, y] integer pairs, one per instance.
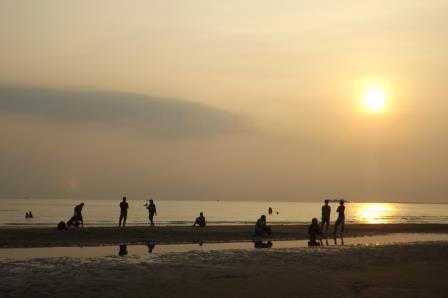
{"points": [[314, 233], [261, 228]]}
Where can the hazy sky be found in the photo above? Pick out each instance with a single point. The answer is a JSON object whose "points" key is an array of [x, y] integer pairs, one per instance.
{"points": [[241, 100]]}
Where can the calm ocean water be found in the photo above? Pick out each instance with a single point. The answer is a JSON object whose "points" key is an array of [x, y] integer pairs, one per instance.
{"points": [[105, 212]]}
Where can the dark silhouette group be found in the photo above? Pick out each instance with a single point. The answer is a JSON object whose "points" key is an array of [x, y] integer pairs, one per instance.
{"points": [[315, 229]]}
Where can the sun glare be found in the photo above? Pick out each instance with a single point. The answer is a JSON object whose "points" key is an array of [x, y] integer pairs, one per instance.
{"points": [[374, 99]]}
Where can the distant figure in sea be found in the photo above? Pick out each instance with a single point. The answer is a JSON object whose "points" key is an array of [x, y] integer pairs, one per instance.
{"points": [[261, 228], [76, 219], [341, 217], [326, 211], [314, 231], [200, 220], [151, 210], [270, 211], [124, 206], [31, 214]]}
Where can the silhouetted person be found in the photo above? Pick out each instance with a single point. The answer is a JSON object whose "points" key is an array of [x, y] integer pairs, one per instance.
{"points": [[261, 228], [151, 210], [27, 215], [123, 250], [76, 219], [341, 217], [200, 220], [261, 244], [31, 214], [124, 206], [326, 211], [270, 211], [151, 247], [314, 231], [62, 226]]}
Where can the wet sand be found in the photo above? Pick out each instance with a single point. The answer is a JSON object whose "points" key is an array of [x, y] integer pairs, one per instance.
{"points": [[417, 270], [92, 236]]}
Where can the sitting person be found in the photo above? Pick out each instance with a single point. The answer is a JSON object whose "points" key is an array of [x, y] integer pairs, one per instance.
{"points": [[200, 221], [314, 230], [261, 228], [76, 219]]}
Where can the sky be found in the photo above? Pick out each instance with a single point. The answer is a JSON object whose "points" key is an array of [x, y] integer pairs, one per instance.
{"points": [[223, 100]]}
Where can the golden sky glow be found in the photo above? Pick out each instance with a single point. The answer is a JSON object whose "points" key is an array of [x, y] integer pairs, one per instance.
{"points": [[296, 99]]}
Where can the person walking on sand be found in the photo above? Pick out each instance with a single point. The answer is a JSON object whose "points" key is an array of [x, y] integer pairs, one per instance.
{"points": [[151, 210], [341, 217], [124, 206], [326, 211]]}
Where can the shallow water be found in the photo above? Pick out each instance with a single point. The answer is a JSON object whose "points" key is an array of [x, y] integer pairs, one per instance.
{"points": [[48, 212], [154, 250]]}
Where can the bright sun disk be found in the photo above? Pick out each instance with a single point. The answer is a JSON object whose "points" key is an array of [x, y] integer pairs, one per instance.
{"points": [[374, 99]]}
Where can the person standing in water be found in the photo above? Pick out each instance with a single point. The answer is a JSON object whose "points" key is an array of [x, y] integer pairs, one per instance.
{"points": [[124, 206], [341, 217], [326, 211], [152, 211]]}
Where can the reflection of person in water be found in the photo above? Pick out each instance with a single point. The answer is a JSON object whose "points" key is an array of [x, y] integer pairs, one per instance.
{"points": [[314, 231], [123, 250], [261, 228], [151, 247], [261, 244], [200, 220]]}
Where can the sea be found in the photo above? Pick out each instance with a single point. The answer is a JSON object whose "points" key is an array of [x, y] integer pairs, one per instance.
{"points": [[105, 212]]}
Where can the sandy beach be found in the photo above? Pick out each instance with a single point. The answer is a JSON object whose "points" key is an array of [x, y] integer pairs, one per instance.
{"points": [[43, 237], [417, 270]]}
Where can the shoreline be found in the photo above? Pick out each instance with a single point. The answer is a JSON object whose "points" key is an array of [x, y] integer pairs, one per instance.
{"points": [[94, 236]]}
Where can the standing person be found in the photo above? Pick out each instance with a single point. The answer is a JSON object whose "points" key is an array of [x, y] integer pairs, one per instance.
{"points": [[270, 211], [124, 206], [152, 211], [341, 217], [326, 211]]}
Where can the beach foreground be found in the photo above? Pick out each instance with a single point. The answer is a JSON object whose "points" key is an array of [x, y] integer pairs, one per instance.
{"points": [[46, 237], [412, 270]]}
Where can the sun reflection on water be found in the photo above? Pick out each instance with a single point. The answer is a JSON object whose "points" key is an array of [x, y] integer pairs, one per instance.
{"points": [[375, 213]]}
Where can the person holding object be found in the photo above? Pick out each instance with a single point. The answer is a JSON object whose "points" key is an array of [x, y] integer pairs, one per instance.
{"points": [[151, 210]]}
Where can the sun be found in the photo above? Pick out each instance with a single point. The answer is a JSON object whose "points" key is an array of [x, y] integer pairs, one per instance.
{"points": [[374, 99]]}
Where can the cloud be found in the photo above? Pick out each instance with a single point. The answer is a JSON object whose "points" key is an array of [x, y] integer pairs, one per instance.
{"points": [[154, 116]]}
